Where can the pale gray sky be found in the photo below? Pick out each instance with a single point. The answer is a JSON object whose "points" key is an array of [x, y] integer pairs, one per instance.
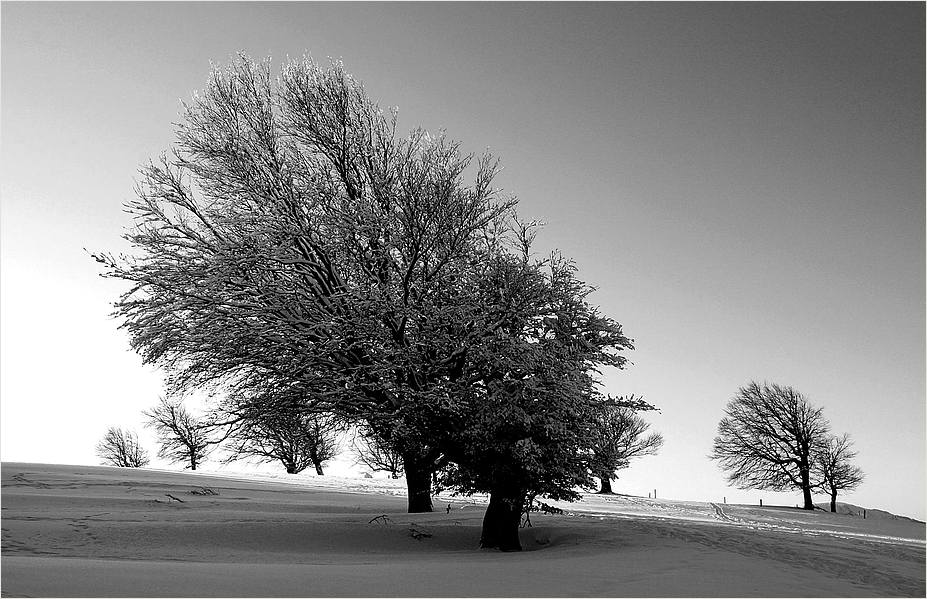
{"points": [[744, 183]]}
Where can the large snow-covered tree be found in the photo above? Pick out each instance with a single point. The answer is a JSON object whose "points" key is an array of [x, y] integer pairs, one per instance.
{"points": [[527, 427], [293, 245], [292, 242], [769, 438]]}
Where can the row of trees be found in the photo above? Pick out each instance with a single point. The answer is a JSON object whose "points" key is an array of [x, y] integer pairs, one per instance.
{"points": [[292, 249], [297, 440], [772, 438]]}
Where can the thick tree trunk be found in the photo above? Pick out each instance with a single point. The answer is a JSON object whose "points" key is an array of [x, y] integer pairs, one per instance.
{"points": [[501, 521], [418, 485], [806, 494], [318, 469], [606, 484], [806, 487], [833, 501]]}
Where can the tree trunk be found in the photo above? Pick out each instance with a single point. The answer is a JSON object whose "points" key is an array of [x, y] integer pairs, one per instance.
{"points": [[806, 494], [805, 474], [606, 484], [314, 458], [501, 521], [418, 485], [833, 501]]}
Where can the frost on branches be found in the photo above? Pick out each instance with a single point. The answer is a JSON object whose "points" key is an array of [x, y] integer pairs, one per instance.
{"points": [[293, 245]]}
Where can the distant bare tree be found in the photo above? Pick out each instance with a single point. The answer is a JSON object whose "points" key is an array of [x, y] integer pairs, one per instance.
{"points": [[619, 438], [769, 438], [375, 452], [182, 437], [293, 436], [833, 468], [121, 448]]}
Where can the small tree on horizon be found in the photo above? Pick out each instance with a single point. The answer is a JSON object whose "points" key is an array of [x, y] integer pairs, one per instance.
{"points": [[293, 436], [620, 437], [769, 439], [376, 453], [182, 437], [833, 468], [121, 448]]}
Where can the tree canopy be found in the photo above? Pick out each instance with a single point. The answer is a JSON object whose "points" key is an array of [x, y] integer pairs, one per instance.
{"points": [[292, 242], [768, 439], [530, 392]]}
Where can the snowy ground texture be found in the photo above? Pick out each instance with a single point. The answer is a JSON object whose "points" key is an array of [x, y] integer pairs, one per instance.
{"points": [[70, 531]]}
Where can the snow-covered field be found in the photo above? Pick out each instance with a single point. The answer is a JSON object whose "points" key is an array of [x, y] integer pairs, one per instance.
{"points": [[97, 531]]}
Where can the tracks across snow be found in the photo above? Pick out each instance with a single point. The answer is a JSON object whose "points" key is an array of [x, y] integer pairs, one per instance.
{"points": [[719, 513]]}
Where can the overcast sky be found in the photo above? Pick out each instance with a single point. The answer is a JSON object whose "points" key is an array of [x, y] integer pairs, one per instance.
{"points": [[743, 183]]}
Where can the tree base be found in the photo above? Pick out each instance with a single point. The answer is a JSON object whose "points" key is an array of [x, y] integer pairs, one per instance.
{"points": [[418, 487], [500, 523]]}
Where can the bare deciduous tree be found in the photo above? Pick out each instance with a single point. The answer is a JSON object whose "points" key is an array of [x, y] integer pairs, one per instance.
{"points": [[833, 469], [769, 438], [620, 436], [182, 437], [290, 435], [375, 452], [121, 448]]}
